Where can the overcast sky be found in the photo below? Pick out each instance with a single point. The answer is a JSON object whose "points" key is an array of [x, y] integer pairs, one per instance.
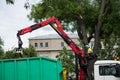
{"points": [[14, 18]]}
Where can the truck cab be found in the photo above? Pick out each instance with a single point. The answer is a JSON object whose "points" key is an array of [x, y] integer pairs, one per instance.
{"points": [[107, 70]]}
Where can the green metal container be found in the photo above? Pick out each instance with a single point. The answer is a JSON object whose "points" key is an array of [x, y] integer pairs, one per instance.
{"points": [[36, 68]]}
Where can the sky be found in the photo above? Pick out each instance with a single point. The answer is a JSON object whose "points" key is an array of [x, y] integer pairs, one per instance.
{"points": [[14, 18]]}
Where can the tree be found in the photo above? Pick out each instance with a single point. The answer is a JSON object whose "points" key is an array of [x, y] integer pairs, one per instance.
{"points": [[67, 59], [27, 52], [110, 34], [72, 12], [1, 49], [93, 17], [10, 54], [86, 13]]}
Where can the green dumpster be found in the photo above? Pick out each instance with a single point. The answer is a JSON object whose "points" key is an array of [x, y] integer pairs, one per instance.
{"points": [[35, 68]]}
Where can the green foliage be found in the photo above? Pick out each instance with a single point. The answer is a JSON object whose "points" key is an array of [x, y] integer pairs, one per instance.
{"points": [[111, 19], [110, 43], [10, 54], [68, 11], [65, 10], [67, 59], [1, 49], [118, 51], [105, 55], [29, 52]]}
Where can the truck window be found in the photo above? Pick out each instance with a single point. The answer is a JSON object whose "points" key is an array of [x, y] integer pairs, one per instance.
{"points": [[117, 70], [107, 70]]}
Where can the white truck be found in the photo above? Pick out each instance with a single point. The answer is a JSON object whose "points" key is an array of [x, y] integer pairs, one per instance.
{"points": [[107, 70]]}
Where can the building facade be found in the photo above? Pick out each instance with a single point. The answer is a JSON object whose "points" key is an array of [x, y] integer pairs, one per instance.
{"points": [[50, 45]]}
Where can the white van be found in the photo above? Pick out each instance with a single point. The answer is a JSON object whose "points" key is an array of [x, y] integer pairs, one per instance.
{"points": [[107, 70]]}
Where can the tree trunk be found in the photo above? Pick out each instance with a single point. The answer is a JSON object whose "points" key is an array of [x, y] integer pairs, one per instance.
{"points": [[83, 35], [97, 28], [81, 30]]}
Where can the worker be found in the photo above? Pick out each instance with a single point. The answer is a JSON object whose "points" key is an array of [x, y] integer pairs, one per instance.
{"points": [[90, 61], [64, 74], [89, 50]]}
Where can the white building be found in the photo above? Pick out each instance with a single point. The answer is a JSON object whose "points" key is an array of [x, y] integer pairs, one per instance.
{"points": [[50, 45]]}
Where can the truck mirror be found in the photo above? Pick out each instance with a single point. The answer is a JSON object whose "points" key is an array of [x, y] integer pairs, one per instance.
{"points": [[117, 67]]}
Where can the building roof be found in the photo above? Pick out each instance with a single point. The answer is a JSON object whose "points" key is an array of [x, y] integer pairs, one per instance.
{"points": [[53, 36]]}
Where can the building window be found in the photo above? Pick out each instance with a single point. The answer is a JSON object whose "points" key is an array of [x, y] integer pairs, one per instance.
{"points": [[46, 44], [36, 45], [62, 44], [41, 44]]}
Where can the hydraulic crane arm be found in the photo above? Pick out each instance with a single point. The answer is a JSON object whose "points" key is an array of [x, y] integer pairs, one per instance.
{"points": [[36, 26], [58, 28], [56, 25]]}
